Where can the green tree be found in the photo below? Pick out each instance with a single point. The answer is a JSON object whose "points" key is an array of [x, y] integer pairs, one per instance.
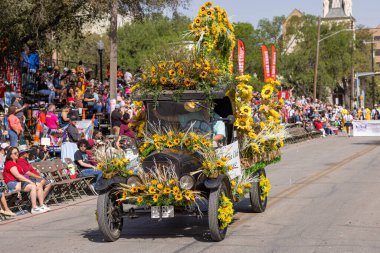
{"points": [[156, 33]]}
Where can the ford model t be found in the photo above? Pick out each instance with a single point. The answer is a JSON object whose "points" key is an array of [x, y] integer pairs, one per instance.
{"points": [[189, 157]]}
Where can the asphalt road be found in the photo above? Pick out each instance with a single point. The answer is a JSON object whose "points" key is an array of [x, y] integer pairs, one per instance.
{"points": [[324, 198]]}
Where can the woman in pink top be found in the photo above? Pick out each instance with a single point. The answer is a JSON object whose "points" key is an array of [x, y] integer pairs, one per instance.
{"points": [[51, 118]]}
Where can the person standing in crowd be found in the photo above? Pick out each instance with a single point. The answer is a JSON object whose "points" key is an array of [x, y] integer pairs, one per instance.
{"points": [[128, 76], [348, 118], [85, 167], [51, 118], [30, 172], [116, 120], [16, 182], [15, 127], [19, 108], [71, 136], [3, 128], [3, 150], [89, 100]]}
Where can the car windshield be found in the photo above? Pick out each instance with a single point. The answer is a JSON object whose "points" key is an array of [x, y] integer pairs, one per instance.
{"points": [[180, 116]]}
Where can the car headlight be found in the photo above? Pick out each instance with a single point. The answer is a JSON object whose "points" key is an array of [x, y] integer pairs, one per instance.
{"points": [[186, 182], [134, 181]]}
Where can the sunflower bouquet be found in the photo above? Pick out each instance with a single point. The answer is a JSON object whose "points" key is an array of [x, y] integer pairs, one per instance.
{"points": [[242, 185], [160, 139], [225, 211], [112, 162], [137, 123], [158, 188], [213, 33], [265, 187]]}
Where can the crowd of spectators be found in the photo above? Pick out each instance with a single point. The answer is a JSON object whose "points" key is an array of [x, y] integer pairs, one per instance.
{"points": [[329, 119]]}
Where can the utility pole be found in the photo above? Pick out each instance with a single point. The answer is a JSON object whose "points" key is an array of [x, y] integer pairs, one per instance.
{"points": [[113, 50], [317, 61], [373, 70]]}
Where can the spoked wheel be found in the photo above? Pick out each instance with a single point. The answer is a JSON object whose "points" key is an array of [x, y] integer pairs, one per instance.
{"points": [[217, 234], [258, 205], [110, 216]]}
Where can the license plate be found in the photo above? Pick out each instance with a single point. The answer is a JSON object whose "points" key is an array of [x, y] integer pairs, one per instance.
{"points": [[157, 212], [167, 211]]}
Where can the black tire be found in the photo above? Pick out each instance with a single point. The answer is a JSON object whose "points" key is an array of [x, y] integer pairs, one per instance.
{"points": [[217, 234], [258, 206], [110, 216]]}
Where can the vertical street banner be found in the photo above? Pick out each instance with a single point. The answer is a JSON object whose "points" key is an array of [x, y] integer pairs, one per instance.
{"points": [[266, 65], [273, 63], [241, 56]]}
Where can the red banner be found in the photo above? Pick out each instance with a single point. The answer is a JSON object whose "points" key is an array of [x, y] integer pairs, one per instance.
{"points": [[241, 56], [273, 63], [283, 94], [266, 66]]}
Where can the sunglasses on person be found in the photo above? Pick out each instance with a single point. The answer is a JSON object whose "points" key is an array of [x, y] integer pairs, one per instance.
{"points": [[15, 153]]}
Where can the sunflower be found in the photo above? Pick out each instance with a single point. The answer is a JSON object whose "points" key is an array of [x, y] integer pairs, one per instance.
{"points": [[187, 142], [155, 197], [176, 190], [181, 135], [134, 189], [196, 147], [252, 134], [205, 43], [209, 13], [178, 197], [181, 72], [164, 137], [172, 182], [224, 158], [197, 65], [154, 182], [160, 186], [172, 72], [153, 70], [162, 65], [274, 114], [169, 144], [100, 166], [167, 190], [245, 110], [220, 163], [239, 190], [163, 80], [189, 195], [203, 74], [208, 4], [187, 82], [248, 185], [139, 199], [197, 21], [173, 81], [233, 183], [242, 123], [152, 190], [176, 141], [267, 91]]}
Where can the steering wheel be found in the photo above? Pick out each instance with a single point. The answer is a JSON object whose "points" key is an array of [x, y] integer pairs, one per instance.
{"points": [[199, 126]]}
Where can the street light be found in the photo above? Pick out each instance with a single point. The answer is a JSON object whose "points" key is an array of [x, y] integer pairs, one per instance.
{"points": [[319, 40], [100, 51]]}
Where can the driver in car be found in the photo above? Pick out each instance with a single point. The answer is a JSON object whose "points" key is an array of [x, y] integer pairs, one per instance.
{"points": [[196, 118]]}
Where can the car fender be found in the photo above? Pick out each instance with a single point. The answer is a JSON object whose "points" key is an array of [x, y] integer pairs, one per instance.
{"points": [[103, 185], [214, 183]]}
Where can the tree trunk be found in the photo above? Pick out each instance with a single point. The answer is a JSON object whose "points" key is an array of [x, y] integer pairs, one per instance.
{"points": [[113, 49]]}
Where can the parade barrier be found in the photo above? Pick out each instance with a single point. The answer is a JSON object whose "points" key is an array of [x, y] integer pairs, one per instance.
{"points": [[63, 188], [366, 128]]}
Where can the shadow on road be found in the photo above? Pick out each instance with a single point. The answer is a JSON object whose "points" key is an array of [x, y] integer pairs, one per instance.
{"points": [[147, 228], [368, 143]]}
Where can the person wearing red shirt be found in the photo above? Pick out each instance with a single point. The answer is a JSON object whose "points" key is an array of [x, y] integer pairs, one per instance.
{"points": [[319, 126], [13, 177], [30, 172]]}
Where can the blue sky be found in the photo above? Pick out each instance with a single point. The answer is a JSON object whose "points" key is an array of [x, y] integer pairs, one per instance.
{"points": [[366, 12]]}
